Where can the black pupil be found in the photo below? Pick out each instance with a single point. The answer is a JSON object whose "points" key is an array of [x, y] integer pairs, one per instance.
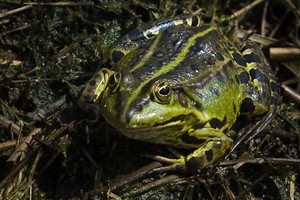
{"points": [[165, 90]]}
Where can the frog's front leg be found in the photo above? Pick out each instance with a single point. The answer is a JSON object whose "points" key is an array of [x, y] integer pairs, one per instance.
{"points": [[92, 93], [215, 145]]}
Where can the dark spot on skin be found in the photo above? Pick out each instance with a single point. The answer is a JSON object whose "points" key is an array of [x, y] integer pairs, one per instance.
{"points": [[211, 60], [198, 106], [252, 57], [92, 83], [198, 126], [244, 77], [258, 75], [239, 59], [158, 54], [117, 55], [216, 123], [209, 155], [247, 46], [197, 47], [135, 35], [189, 139], [220, 57], [275, 87], [247, 105], [196, 163]]}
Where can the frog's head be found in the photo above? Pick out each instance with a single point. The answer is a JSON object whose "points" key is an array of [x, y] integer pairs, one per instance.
{"points": [[136, 106]]}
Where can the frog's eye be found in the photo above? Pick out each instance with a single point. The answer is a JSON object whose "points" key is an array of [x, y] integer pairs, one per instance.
{"points": [[114, 81], [162, 92]]}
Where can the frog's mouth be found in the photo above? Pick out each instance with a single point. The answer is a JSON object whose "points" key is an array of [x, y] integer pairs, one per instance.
{"points": [[162, 132]]}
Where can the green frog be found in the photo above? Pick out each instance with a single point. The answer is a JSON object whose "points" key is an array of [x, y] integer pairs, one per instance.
{"points": [[183, 83]]}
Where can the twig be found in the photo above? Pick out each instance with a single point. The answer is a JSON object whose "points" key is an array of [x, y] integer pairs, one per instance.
{"points": [[263, 23], [293, 8], [284, 53], [22, 147], [291, 93], [7, 145], [133, 176], [245, 9], [277, 161], [7, 124], [17, 29], [61, 4], [5, 14]]}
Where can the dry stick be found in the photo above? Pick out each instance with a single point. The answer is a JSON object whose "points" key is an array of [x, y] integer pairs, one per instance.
{"points": [[246, 9], [21, 149], [7, 124], [62, 4], [5, 14], [292, 67], [133, 176], [16, 29], [7, 145], [291, 93], [293, 8], [263, 23], [284, 53], [276, 161]]}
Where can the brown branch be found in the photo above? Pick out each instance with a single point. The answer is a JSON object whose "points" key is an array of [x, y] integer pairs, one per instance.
{"points": [[7, 124], [11, 12], [61, 4]]}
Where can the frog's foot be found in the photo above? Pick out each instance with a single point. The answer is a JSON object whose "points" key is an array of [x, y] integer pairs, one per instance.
{"points": [[204, 156]]}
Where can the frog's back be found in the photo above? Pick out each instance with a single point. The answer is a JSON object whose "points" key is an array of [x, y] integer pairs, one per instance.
{"points": [[184, 55]]}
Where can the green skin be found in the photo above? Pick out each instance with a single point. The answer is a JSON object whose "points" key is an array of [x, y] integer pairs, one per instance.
{"points": [[184, 84]]}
